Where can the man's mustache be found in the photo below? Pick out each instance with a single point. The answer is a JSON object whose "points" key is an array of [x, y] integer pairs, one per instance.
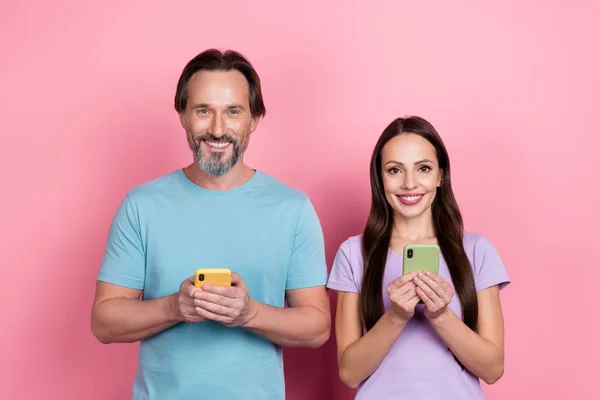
{"points": [[207, 137]]}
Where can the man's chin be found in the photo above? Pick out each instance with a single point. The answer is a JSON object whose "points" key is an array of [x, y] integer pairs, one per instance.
{"points": [[214, 169]]}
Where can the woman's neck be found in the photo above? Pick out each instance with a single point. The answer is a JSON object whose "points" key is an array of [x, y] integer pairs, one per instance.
{"points": [[414, 229]]}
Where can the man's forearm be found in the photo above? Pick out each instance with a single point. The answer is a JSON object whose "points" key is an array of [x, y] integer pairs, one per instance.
{"points": [[302, 326], [121, 320]]}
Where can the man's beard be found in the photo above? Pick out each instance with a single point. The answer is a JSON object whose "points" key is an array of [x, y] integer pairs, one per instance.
{"points": [[216, 163]]}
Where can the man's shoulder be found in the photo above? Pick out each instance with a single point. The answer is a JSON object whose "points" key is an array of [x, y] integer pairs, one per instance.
{"points": [[163, 184], [283, 191]]}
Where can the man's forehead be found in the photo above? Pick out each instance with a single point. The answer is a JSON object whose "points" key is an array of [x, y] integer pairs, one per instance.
{"points": [[218, 82]]}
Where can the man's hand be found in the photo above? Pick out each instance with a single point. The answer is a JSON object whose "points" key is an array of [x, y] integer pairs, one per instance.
{"points": [[229, 305], [183, 304]]}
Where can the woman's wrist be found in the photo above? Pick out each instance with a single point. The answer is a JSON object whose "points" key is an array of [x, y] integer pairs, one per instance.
{"points": [[440, 319], [397, 321]]}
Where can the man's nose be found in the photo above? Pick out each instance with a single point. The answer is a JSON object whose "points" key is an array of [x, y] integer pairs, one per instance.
{"points": [[217, 126]]}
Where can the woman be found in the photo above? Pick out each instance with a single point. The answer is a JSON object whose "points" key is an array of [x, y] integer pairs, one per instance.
{"points": [[417, 336]]}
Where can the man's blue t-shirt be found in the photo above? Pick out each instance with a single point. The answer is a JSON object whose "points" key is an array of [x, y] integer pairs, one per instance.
{"points": [[165, 229]]}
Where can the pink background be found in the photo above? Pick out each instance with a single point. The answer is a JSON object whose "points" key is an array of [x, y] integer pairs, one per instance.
{"points": [[86, 113]]}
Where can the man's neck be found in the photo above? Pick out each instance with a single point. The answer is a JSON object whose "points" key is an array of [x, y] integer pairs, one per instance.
{"points": [[237, 176]]}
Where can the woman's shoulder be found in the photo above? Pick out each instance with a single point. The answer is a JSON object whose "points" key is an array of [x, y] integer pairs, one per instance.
{"points": [[486, 262], [480, 250], [346, 271], [351, 249], [476, 242], [352, 243]]}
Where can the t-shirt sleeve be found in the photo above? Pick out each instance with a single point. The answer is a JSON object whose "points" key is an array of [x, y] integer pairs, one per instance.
{"points": [[124, 257], [489, 268], [308, 266], [341, 277]]}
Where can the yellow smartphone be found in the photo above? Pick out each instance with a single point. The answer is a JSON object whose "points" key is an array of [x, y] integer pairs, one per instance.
{"points": [[421, 257], [212, 276]]}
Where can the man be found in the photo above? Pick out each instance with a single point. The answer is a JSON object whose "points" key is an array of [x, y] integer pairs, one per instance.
{"points": [[218, 342]]}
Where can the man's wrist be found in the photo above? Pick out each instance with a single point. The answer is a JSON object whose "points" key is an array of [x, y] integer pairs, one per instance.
{"points": [[172, 310], [254, 308]]}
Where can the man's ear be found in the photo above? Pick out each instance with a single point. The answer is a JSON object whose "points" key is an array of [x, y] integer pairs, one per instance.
{"points": [[182, 120], [254, 124]]}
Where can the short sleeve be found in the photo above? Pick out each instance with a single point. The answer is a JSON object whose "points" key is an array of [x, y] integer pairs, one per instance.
{"points": [[308, 266], [124, 261], [341, 277], [489, 268]]}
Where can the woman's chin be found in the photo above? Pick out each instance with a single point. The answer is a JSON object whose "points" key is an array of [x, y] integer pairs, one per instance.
{"points": [[410, 212]]}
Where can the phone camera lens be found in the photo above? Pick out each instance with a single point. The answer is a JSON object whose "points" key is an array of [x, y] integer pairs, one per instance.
{"points": [[410, 253], [201, 277]]}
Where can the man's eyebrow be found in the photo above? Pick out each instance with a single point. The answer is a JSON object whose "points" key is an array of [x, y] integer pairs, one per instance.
{"points": [[235, 106], [206, 105], [201, 105]]}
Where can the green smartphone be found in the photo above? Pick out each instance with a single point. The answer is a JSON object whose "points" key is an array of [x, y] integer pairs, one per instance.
{"points": [[421, 257]]}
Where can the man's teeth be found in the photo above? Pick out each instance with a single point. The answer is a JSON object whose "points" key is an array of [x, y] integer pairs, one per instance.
{"points": [[218, 144], [410, 198]]}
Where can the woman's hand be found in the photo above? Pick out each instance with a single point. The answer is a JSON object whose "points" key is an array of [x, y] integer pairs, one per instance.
{"points": [[435, 292], [403, 295]]}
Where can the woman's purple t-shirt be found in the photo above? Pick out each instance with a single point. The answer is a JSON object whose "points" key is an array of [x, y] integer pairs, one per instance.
{"points": [[419, 365]]}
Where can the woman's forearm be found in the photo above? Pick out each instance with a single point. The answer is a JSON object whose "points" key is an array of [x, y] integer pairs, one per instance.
{"points": [[362, 358], [480, 356]]}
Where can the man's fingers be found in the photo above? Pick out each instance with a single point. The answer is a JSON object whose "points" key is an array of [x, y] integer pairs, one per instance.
{"points": [[227, 291], [212, 316], [214, 298], [236, 280], [216, 309], [188, 288]]}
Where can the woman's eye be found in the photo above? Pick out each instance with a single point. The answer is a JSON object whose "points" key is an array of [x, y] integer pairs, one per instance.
{"points": [[393, 170], [425, 168]]}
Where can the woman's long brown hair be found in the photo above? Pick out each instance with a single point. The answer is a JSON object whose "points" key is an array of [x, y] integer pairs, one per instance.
{"points": [[447, 220]]}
